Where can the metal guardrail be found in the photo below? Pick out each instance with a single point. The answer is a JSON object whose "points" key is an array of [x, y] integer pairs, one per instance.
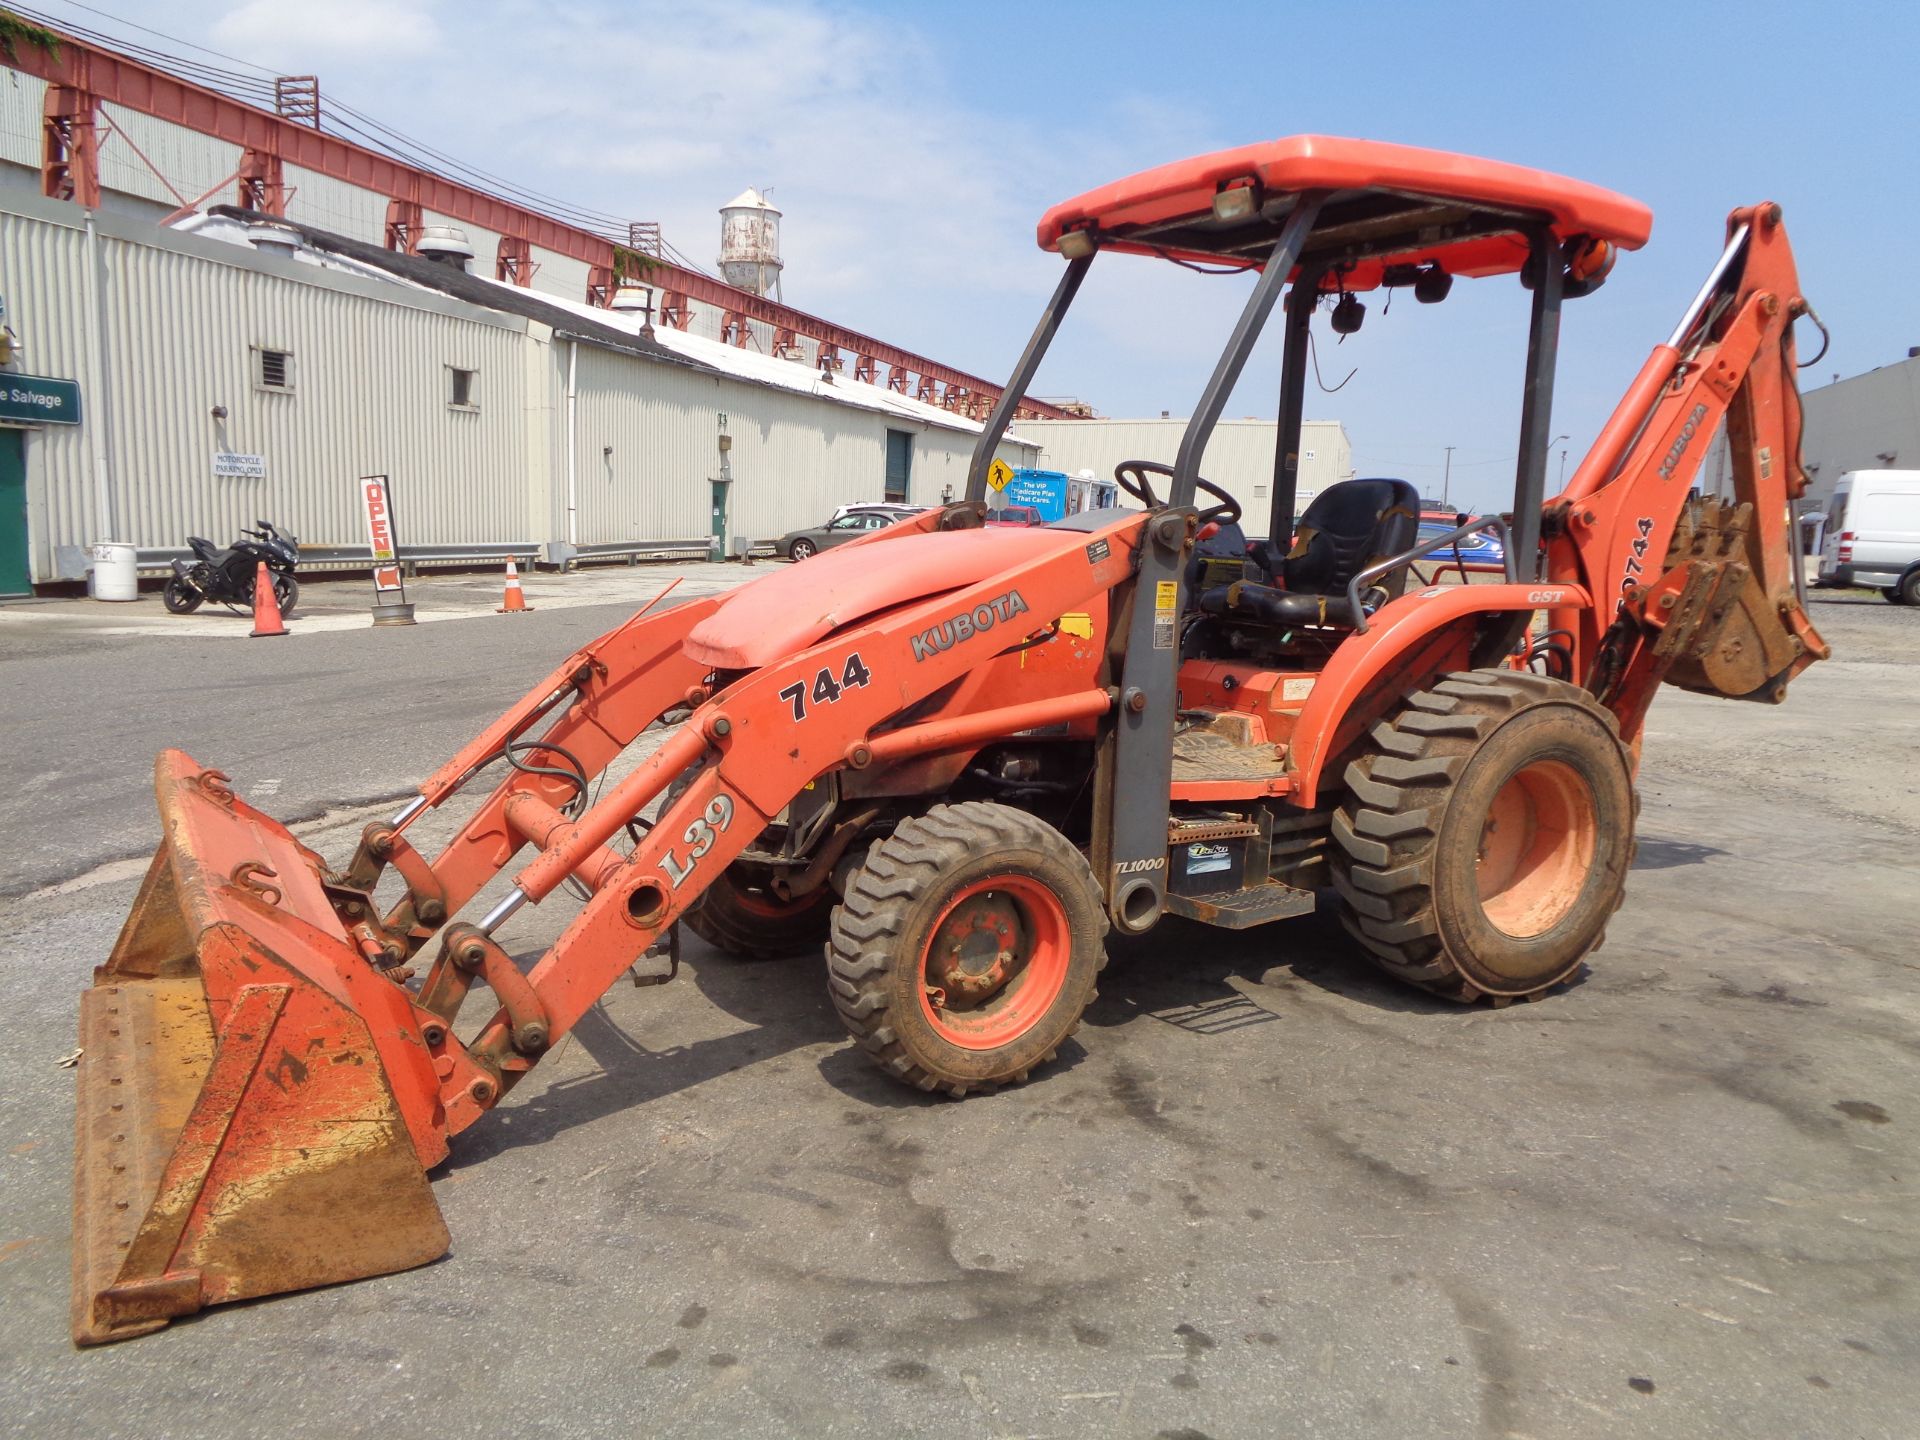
{"points": [[631, 551], [358, 557], [1426, 547]]}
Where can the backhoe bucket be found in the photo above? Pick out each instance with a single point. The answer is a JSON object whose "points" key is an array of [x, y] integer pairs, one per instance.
{"points": [[1738, 628], [256, 1110]]}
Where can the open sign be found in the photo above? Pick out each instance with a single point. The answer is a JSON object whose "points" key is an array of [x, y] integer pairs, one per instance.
{"points": [[378, 504]]}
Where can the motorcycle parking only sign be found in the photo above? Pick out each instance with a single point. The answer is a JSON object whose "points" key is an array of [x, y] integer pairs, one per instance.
{"points": [[378, 504]]}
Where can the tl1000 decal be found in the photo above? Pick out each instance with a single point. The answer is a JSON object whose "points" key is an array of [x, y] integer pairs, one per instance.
{"points": [[968, 623]]}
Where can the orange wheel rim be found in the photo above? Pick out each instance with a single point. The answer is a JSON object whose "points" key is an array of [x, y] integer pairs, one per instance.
{"points": [[1536, 848], [766, 906], [994, 962]]}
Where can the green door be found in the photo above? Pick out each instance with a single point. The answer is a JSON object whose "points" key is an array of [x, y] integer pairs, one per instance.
{"points": [[15, 577], [899, 465], [719, 549]]}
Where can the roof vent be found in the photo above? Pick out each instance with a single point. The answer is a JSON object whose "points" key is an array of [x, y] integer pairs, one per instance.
{"points": [[631, 300], [273, 239], [445, 245]]}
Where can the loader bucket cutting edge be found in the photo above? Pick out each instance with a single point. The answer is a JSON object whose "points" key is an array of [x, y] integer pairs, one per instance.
{"points": [[256, 1110]]}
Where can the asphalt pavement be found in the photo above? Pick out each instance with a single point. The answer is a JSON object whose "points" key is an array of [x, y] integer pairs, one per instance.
{"points": [[338, 713], [1266, 1192]]}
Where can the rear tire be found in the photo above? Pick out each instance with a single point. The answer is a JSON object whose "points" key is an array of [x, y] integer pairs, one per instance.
{"points": [[179, 597], [1907, 592], [967, 947], [286, 593], [1486, 837], [740, 919]]}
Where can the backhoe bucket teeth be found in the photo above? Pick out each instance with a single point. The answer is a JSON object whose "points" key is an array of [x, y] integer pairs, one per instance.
{"points": [[1732, 635], [256, 1110]]}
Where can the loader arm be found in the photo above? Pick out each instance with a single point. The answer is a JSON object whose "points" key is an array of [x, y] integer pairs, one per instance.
{"points": [[757, 744], [1701, 594], [261, 1093]]}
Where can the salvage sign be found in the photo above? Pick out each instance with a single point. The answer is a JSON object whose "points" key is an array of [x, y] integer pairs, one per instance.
{"points": [[39, 400], [380, 537]]}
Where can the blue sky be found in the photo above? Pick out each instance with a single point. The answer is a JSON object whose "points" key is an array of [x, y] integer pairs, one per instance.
{"points": [[913, 148]]}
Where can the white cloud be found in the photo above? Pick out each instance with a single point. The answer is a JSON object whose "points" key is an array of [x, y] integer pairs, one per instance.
{"points": [[302, 36]]}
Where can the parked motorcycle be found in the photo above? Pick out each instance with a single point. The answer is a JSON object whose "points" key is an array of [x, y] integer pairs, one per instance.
{"points": [[228, 576]]}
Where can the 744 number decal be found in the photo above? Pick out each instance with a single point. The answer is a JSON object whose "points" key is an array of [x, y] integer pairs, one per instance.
{"points": [[826, 689]]}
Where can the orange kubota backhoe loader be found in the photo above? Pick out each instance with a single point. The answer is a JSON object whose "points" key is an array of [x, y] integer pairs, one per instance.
{"points": [[955, 755]]}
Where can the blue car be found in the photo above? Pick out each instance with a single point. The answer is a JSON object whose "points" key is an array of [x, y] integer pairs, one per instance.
{"points": [[1480, 548]]}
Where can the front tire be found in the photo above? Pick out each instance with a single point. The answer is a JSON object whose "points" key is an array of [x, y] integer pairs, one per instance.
{"points": [[802, 550], [748, 922], [967, 947], [1486, 837], [179, 597]]}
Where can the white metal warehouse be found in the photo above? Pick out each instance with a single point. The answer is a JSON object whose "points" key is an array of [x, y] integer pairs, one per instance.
{"points": [[1239, 456], [314, 361]]}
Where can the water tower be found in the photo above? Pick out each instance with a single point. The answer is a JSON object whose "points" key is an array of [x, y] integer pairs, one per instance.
{"points": [[750, 244]]}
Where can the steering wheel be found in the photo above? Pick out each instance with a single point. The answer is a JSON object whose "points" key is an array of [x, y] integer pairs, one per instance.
{"points": [[1131, 476]]}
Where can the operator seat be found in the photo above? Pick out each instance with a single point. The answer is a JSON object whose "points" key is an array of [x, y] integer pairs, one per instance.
{"points": [[1348, 527]]}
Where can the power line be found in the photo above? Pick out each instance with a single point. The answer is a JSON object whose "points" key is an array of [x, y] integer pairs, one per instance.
{"points": [[369, 131], [149, 30]]}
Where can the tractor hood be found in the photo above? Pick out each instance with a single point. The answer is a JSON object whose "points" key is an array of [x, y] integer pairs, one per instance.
{"points": [[800, 605]]}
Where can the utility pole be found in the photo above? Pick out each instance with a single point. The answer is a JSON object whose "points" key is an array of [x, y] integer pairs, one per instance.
{"points": [[1446, 479]]}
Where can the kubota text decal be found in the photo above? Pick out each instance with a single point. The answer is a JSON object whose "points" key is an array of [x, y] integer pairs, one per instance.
{"points": [[968, 623]]}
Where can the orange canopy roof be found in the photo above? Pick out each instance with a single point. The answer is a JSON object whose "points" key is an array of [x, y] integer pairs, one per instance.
{"points": [[1387, 205]]}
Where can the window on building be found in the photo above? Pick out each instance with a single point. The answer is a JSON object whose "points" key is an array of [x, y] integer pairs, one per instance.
{"points": [[463, 388], [273, 369], [899, 464]]}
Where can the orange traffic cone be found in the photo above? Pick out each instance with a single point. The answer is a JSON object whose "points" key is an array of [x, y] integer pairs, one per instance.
{"points": [[266, 605], [516, 601]]}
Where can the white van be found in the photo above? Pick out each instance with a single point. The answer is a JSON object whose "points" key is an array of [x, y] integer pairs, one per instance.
{"points": [[1873, 533]]}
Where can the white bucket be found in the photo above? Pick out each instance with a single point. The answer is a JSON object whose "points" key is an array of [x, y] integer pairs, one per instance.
{"points": [[115, 573]]}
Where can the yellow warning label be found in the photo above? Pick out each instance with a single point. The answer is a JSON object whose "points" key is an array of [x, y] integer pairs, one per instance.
{"points": [[1166, 594], [1081, 625]]}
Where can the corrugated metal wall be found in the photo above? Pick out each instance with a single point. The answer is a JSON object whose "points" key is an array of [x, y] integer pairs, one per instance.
{"points": [[23, 100], [1239, 455], [192, 162], [794, 457], [329, 204], [180, 327], [43, 273], [181, 320]]}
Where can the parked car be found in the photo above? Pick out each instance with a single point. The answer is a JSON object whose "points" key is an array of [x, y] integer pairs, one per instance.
{"points": [[1873, 533], [895, 508], [1478, 549], [1024, 516], [853, 522]]}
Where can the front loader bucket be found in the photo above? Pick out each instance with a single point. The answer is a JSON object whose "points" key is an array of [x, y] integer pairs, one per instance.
{"points": [[256, 1110]]}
